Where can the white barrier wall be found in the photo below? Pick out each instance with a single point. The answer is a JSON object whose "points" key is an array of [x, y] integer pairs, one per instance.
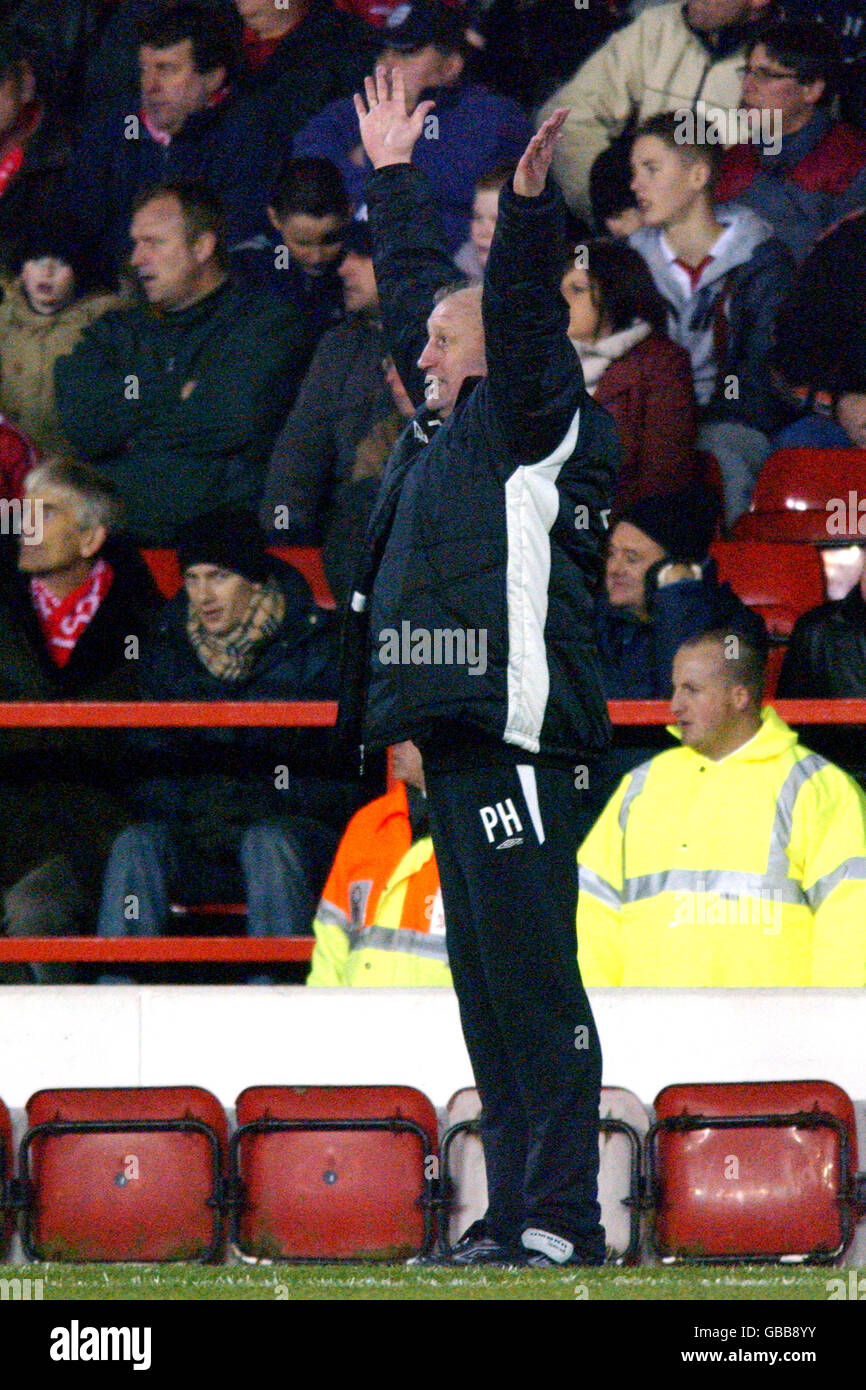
{"points": [[226, 1038]]}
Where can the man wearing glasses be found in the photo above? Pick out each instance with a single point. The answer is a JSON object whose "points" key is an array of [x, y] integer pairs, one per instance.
{"points": [[816, 173], [672, 57]]}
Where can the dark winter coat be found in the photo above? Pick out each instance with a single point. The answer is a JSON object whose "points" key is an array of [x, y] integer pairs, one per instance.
{"points": [[322, 59], [312, 472], [824, 316], [727, 324], [64, 790], [826, 660], [637, 657], [30, 198], [118, 396], [491, 522], [116, 158], [215, 783], [317, 299]]}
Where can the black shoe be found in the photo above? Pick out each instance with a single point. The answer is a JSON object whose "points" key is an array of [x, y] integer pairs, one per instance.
{"points": [[477, 1247]]}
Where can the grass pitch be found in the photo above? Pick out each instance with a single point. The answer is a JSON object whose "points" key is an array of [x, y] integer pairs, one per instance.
{"points": [[368, 1282]]}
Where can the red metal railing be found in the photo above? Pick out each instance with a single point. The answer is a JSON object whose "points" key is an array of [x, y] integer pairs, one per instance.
{"points": [[269, 714]]}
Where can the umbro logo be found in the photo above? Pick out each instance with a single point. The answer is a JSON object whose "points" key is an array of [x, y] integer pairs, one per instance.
{"points": [[509, 844]]}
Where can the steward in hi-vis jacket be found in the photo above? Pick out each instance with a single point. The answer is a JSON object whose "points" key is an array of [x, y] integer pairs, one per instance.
{"points": [[749, 870], [380, 920]]}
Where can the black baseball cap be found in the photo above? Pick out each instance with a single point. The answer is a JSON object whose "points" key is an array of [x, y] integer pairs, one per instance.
{"points": [[417, 23]]}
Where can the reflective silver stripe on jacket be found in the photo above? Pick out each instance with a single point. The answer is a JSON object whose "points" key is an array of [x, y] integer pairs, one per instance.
{"points": [[597, 887], [413, 943], [737, 884], [332, 916]]}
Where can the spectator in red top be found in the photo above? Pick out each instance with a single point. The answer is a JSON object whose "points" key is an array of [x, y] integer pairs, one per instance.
{"points": [[814, 170], [17, 457], [631, 367]]}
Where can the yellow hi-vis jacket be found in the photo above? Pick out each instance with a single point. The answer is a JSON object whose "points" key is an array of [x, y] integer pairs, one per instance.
{"points": [[380, 920], [747, 871]]}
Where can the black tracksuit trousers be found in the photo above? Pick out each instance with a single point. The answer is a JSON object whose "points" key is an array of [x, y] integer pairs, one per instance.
{"points": [[506, 840]]}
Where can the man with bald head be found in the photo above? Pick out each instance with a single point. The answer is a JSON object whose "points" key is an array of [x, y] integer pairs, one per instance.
{"points": [[471, 633]]}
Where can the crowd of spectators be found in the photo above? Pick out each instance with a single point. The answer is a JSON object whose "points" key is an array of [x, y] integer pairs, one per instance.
{"points": [[192, 355]]}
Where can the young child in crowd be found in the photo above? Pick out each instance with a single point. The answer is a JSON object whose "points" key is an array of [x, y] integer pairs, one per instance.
{"points": [[52, 298], [472, 256]]}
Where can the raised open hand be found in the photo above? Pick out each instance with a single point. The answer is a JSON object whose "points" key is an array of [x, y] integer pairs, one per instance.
{"points": [[388, 132], [531, 173]]}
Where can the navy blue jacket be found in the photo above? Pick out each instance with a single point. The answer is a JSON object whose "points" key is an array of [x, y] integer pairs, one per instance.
{"points": [[490, 524], [637, 658], [208, 777], [223, 145], [474, 130]]}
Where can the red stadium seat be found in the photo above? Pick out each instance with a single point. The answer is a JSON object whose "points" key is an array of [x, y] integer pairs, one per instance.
{"points": [[808, 495], [6, 1218], [124, 1174], [753, 1171], [334, 1172], [165, 569], [780, 581], [623, 1123], [307, 560]]}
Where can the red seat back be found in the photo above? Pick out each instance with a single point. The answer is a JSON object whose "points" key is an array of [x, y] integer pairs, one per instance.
{"points": [[778, 581], [778, 1189], [125, 1174], [808, 495], [344, 1178]]}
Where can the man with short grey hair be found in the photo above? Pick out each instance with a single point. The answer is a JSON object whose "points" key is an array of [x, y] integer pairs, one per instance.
{"points": [[71, 618]]}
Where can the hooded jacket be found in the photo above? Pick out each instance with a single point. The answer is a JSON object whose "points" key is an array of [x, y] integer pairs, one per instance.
{"points": [[30, 344], [656, 63], [746, 871], [489, 527], [726, 324]]}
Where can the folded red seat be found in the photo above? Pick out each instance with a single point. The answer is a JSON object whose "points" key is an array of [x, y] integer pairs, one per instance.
{"points": [[124, 1174], [334, 1172]]}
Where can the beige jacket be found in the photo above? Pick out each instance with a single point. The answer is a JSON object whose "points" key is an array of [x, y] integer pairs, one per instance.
{"points": [[654, 64], [30, 344]]}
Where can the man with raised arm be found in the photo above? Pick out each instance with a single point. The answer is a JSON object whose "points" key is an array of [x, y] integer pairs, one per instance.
{"points": [[470, 632]]}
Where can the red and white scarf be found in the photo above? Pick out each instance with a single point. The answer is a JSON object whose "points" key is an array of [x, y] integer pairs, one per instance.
{"points": [[63, 620]]}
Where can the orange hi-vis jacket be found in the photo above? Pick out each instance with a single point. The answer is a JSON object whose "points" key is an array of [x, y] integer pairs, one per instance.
{"points": [[380, 919]]}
